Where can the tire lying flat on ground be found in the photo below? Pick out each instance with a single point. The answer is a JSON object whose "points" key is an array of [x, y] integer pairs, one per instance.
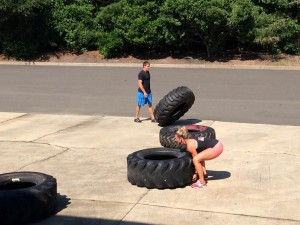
{"points": [[174, 105], [167, 135], [26, 197], [160, 168]]}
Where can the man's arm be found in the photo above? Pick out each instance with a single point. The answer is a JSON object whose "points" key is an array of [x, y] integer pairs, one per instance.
{"points": [[142, 87]]}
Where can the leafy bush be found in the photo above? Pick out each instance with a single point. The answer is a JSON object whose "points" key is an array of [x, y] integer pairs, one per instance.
{"points": [[277, 34], [24, 27], [74, 22], [110, 44], [133, 24], [114, 27], [202, 22], [242, 21]]}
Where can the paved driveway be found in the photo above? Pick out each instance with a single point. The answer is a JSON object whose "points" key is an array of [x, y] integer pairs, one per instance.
{"points": [[254, 181]]}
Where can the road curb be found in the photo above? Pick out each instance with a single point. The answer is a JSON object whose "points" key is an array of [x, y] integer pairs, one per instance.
{"points": [[158, 65]]}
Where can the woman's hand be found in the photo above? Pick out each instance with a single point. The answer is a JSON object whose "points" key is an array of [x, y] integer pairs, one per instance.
{"points": [[195, 177]]}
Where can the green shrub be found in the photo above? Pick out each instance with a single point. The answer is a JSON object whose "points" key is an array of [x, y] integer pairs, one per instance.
{"points": [[74, 22], [24, 27], [110, 45]]}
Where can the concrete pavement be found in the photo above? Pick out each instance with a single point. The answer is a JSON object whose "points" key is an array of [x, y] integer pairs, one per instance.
{"points": [[255, 180]]}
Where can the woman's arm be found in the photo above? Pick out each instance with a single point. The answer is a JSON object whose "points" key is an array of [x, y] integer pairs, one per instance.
{"points": [[191, 147]]}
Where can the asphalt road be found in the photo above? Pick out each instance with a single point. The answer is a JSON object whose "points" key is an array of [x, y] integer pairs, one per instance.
{"points": [[229, 95]]}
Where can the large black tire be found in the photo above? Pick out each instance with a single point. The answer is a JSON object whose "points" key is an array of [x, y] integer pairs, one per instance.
{"points": [[174, 105], [167, 135], [160, 168], [26, 197]]}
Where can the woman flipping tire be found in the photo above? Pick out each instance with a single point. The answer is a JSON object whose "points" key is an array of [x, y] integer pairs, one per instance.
{"points": [[26, 197], [174, 105], [167, 135], [160, 168]]}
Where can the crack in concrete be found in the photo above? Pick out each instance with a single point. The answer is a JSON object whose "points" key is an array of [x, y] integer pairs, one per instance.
{"points": [[32, 142], [67, 128], [41, 160], [129, 203], [15, 118], [275, 153], [223, 213], [98, 200], [186, 209], [137, 203], [45, 159]]}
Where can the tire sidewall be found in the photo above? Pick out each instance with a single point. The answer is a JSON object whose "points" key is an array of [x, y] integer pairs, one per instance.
{"points": [[167, 134], [174, 105], [165, 173], [29, 204]]}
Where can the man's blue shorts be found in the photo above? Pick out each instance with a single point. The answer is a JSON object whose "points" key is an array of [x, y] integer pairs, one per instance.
{"points": [[141, 100]]}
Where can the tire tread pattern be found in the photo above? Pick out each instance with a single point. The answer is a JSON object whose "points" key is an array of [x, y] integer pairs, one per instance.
{"points": [[167, 134], [160, 174], [174, 105], [21, 206]]}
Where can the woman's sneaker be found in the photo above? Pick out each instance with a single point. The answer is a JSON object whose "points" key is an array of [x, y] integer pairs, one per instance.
{"points": [[198, 184]]}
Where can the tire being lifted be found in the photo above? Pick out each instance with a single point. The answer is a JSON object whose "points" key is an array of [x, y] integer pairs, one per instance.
{"points": [[160, 168], [167, 135], [26, 197], [174, 105]]}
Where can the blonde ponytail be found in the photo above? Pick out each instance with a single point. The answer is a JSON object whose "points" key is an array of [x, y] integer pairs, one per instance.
{"points": [[182, 132]]}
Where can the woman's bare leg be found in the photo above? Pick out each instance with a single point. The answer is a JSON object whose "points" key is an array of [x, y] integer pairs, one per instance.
{"points": [[204, 168], [198, 160], [199, 169]]}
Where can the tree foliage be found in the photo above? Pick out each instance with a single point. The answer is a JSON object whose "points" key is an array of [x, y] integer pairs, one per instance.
{"points": [[74, 23], [196, 21], [129, 24], [115, 27], [24, 28]]}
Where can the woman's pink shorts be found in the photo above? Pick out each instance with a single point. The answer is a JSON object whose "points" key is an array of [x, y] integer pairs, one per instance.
{"points": [[218, 149]]}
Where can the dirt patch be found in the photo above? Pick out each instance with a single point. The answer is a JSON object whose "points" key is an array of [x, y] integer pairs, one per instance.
{"points": [[167, 58]]}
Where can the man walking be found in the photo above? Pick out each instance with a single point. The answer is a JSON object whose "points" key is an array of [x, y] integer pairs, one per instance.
{"points": [[144, 95]]}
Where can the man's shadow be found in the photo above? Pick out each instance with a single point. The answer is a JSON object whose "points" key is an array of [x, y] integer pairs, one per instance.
{"points": [[182, 122]]}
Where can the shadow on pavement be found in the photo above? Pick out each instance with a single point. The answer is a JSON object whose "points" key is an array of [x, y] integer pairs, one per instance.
{"points": [[72, 220], [218, 175], [184, 122], [62, 202]]}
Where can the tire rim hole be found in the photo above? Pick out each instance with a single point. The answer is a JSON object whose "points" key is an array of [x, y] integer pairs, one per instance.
{"points": [[16, 185], [160, 157], [193, 131], [177, 110]]}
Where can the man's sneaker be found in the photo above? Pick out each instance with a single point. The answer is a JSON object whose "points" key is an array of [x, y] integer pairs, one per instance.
{"points": [[198, 184], [205, 176], [153, 121], [137, 120]]}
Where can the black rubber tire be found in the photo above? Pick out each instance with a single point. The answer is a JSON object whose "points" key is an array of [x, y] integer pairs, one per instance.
{"points": [[26, 197], [173, 105], [167, 135], [160, 168]]}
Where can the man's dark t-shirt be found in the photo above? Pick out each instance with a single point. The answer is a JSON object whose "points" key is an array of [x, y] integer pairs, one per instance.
{"points": [[145, 77]]}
